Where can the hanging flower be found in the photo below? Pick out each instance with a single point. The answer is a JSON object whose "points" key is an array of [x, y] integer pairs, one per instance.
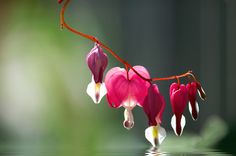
{"points": [[193, 104], [127, 89], [154, 106], [97, 62], [178, 99], [201, 91]]}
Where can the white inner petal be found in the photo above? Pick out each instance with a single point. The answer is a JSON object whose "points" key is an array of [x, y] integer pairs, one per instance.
{"points": [[203, 95], [173, 123], [161, 134], [151, 135], [182, 123], [197, 107], [96, 91], [190, 108], [103, 91], [129, 119], [155, 135]]}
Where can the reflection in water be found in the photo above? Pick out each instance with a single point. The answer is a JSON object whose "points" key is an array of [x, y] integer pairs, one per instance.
{"points": [[154, 151], [38, 150]]}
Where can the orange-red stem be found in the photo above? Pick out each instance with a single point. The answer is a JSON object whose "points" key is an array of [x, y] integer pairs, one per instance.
{"points": [[126, 64]]}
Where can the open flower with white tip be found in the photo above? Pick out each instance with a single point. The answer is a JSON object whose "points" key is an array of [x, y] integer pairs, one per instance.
{"points": [[153, 107], [97, 62]]}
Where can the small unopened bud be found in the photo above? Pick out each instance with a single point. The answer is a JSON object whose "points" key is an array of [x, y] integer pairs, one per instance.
{"points": [[201, 91], [97, 62]]}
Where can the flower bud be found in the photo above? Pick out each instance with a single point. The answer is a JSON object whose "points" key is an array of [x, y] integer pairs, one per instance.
{"points": [[178, 99], [201, 91], [193, 105], [154, 105], [97, 62]]}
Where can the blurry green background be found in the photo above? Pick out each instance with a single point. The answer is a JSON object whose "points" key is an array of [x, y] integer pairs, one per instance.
{"points": [[43, 73]]}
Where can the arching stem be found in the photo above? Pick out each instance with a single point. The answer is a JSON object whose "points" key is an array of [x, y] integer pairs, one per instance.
{"points": [[125, 63]]}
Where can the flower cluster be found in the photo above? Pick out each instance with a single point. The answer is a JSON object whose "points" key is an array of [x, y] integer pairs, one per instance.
{"points": [[125, 88], [133, 86], [180, 95]]}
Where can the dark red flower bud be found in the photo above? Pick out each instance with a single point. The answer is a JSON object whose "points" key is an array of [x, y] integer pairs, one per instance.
{"points": [[97, 62], [178, 99], [201, 92], [193, 105], [154, 105]]}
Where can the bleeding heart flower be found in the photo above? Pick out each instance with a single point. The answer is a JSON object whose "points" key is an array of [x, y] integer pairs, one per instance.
{"points": [[193, 105], [97, 62], [178, 99], [127, 89], [154, 106]]}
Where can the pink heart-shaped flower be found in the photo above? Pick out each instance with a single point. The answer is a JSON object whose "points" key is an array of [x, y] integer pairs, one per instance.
{"points": [[126, 89]]}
